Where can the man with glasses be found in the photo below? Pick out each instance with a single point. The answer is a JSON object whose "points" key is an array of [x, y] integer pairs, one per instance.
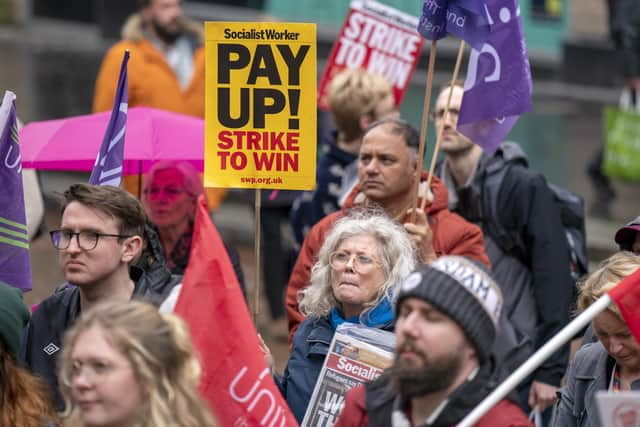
{"points": [[101, 234], [537, 284], [388, 178]]}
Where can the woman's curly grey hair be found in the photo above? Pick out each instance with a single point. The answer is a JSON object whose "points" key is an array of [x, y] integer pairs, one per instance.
{"points": [[395, 252]]}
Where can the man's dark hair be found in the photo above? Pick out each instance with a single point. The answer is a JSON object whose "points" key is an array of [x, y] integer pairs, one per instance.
{"points": [[398, 127], [113, 201]]}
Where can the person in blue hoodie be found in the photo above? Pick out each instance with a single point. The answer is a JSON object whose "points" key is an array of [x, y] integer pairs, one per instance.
{"points": [[363, 259]]}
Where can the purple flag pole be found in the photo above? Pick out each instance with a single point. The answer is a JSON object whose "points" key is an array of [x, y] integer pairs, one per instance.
{"points": [[15, 265], [108, 167], [497, 89]]}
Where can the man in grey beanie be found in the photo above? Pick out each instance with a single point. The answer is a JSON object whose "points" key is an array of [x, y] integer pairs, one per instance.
{"points": [[446, 319]]}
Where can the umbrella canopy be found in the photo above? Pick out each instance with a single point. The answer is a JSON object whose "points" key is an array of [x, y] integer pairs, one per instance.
{"points": [[152, 135]]}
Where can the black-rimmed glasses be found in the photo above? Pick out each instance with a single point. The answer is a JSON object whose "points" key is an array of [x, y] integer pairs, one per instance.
{"points": [[86, 240]]}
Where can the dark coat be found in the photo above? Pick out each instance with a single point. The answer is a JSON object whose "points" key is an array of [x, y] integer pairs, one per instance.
{"points": [[536, 285], [43, 336], [310, 347]]}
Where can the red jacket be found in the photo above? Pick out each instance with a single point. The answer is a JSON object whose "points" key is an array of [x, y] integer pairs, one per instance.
{"points": [[452, 235], [504, 414]]}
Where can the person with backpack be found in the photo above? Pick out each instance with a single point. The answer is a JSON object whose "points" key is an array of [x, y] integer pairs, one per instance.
{"points": [[524, 238]]}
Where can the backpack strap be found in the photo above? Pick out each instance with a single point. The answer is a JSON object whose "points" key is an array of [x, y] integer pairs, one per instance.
{"points": [[494, 178]]}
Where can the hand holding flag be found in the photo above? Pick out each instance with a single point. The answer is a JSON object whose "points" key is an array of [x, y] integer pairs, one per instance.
{"points": [[15, 265], [236, 380], [108, 167]]}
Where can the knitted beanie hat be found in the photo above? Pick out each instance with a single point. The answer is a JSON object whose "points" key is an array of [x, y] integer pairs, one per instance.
{"points": [[14, 315], [463, 291]]}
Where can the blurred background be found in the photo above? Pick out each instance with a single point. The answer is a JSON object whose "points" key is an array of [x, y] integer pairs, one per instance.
{"points": [[51, 51]]}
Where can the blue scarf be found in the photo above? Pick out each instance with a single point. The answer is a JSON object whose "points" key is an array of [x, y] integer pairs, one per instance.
{"points": [[379, 316]]}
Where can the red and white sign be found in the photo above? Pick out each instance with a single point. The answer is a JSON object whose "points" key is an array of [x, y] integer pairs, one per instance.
{"points": [[360, 371], [379, 39]]}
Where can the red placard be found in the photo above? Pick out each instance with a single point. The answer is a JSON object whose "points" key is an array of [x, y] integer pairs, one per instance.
{"points": [[379, 39]]}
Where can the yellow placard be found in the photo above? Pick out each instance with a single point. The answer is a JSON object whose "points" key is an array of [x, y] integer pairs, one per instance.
{"points": [[260, 111]]}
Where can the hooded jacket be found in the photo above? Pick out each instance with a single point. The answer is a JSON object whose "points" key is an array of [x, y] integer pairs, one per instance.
{"points": [[536, 285], [43, 337], [452, 235], [152, 81], [372, 404], [589, 372]]}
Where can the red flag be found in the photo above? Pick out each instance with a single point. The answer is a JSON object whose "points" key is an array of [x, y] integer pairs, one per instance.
{"points": [[236, 380], [626, 295]]}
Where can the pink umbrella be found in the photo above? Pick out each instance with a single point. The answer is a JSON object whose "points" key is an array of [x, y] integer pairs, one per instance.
{"points": [[152, 135]]}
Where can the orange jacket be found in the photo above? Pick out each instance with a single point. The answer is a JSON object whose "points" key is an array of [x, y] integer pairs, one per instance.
{"points": [[153, 83], [452, 235]]}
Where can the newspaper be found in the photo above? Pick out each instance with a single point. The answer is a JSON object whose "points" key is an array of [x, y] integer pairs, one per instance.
{"points": [[357, 354]]}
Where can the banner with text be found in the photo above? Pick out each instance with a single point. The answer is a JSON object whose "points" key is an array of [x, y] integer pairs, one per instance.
{"points": [[379, 39], [357, 354], [260, 115]]}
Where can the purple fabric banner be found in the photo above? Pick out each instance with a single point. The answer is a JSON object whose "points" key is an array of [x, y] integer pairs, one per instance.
{"points": [[15, 266], [465, 19], [108, 167], [497, 89]]}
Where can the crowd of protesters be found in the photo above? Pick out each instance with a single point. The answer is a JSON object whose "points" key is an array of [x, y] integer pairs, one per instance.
{"points": [[466, 309]]}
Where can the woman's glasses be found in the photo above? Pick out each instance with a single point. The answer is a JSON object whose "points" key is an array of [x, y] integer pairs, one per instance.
{"points": [[361, 263], [169, 192]]}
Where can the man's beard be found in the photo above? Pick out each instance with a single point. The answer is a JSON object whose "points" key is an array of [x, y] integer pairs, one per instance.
{"points": [[167, 36], [433, 376]]}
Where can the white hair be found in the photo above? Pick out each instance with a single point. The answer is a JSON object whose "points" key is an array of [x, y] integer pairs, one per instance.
{"points": [[394, 248]]}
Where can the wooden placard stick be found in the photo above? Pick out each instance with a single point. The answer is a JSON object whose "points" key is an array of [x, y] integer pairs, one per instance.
{"points": [[440, 130], [425, 122], [257, 253]]}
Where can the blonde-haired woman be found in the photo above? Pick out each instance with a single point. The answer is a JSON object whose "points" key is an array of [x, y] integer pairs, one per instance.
{"points": [[611, 364], [128, 365]]}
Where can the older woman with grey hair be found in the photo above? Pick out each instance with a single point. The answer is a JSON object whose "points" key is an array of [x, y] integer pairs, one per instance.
{"points": [[364, 256]]}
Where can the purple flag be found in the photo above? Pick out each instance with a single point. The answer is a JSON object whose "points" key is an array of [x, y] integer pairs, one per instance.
{"points": [[466, 19], [108, 167], [15, 266], [497, 89]]}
